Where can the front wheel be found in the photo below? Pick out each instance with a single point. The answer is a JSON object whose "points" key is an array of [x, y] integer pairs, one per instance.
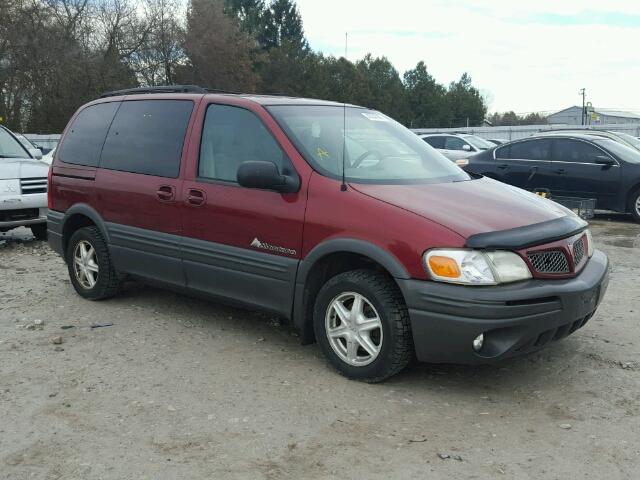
{"points": [[634, 205], [362, 325]]}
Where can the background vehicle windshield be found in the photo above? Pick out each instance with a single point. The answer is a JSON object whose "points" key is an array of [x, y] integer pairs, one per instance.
{"points": [[624, 152], [10, 147], [629, 139], [479, 143], [376, 148]]}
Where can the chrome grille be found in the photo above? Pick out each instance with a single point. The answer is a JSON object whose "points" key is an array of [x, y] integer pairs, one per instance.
{"points": [[554, 261], [578, 250], [30, 186]]}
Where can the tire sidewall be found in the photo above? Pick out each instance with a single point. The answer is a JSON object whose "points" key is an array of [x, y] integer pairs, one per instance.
{"points": [[632, 205], [334, 287]]}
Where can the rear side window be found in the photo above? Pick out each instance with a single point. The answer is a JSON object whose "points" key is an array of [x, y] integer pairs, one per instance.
{"points": [[575, 151], [529, 150], [232, 135], [147, 137], [84, 139], [435, 142]]}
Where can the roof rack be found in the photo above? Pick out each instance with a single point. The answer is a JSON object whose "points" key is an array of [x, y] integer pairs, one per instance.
{"points": [[158, 89]]}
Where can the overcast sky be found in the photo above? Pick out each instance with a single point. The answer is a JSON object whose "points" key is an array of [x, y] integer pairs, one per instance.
{"points": [[523, 55]]}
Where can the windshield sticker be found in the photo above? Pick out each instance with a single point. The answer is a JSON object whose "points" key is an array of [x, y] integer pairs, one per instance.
{"points": [[375, 116], [322, 153]]}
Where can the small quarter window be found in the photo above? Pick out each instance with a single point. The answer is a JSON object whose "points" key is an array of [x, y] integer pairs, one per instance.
{"points": [[85, 137]]}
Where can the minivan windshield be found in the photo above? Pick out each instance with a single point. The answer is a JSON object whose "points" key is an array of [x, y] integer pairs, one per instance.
{"points": [[376, 148], [10, 147]]}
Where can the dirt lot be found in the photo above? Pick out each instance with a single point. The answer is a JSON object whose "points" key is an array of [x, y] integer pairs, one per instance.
{"points": [[179, 388]]}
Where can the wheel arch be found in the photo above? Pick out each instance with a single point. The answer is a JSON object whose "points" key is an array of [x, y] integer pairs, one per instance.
{"points": [[327, 260], [79, 216]]}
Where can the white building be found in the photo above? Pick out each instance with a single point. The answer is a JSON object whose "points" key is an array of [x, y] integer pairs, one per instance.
{"points": [[573, 116]]}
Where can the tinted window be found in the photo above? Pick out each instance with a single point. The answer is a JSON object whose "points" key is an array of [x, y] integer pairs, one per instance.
{"points": [[147, 137], [435, 142], [575, 151], [454, 143], [84, 139], [232, 135], [531, 150]]}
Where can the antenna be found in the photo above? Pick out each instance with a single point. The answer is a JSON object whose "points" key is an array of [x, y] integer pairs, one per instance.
{"points": [[343, 186]]}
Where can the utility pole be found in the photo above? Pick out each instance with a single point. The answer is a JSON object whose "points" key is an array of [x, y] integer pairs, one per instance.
{"points": [[584, 115]]}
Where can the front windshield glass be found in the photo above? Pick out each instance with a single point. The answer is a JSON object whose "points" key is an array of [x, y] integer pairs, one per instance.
{"points": [[624, 152], [376, 148], [10, 147], [479, 143]]}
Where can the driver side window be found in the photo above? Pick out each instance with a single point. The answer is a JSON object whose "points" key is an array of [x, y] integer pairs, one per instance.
{"points": [[231, 136]]}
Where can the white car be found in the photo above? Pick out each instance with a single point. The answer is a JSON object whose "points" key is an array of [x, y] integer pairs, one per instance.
{"points": [[456, 146], [23, 187], [48, 157]]}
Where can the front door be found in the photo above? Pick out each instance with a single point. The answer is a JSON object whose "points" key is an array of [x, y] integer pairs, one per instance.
{"points": [[577, 173], [240, 244]]}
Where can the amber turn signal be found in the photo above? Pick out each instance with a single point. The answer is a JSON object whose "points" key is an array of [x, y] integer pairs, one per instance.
{"points": [[444, 266]]}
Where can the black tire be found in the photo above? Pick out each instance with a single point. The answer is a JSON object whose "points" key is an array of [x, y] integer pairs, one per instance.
{"points": [[633, 201], [107, 282], [39, 231], [396, 347]]}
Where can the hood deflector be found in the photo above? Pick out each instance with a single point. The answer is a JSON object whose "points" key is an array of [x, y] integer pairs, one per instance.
{"points": [[529, 235]]}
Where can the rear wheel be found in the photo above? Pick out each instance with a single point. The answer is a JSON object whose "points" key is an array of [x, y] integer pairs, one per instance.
{"points": [[39, 231], [634, 205], [362, 325], [90, 268]]}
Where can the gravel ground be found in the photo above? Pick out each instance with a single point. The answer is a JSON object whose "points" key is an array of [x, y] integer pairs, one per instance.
{"points": [[179, 388]]}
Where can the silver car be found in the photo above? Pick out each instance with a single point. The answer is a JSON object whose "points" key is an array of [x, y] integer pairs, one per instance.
{"points": [[23, 187], [457, 146]]}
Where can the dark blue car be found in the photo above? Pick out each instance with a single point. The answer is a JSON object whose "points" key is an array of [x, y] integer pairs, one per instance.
{"points": [[572, 165]]}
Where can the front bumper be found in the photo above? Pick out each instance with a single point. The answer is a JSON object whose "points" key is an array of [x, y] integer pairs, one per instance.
{"points": [[515, 319], [17, 219]]}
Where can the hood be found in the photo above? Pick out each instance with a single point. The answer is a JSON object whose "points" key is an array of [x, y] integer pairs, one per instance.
{"points": [[469, 207], [12, 168]]}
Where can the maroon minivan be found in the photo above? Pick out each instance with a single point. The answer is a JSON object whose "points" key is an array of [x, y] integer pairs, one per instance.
{"points": [[335, 217]]}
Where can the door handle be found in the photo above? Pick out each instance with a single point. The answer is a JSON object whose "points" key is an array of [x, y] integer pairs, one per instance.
{"points": [[166, 193], [502, 166], [196, 197], [560, 171]]}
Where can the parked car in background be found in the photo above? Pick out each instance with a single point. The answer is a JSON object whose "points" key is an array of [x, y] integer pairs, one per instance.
{"points": [[571, 165], [624, 138], [456, 146], [23, 187], [48, 157], [497, 141], [367, 239]]}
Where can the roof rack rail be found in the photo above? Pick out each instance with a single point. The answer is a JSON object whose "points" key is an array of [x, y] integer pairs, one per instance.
{"points": [[157, 89]]}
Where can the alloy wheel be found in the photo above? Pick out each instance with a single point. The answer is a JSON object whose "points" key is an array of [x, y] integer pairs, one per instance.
{"points": [[85, 264], [354, 329]]}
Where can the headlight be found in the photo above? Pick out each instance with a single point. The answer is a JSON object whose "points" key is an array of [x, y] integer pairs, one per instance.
{"points": [[474, 267], [590, 246]]}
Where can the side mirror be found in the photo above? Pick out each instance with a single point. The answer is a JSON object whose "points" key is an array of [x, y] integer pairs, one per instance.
{"points": [[466, 148], [36, 153], [604, 160], [265, 175]]}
